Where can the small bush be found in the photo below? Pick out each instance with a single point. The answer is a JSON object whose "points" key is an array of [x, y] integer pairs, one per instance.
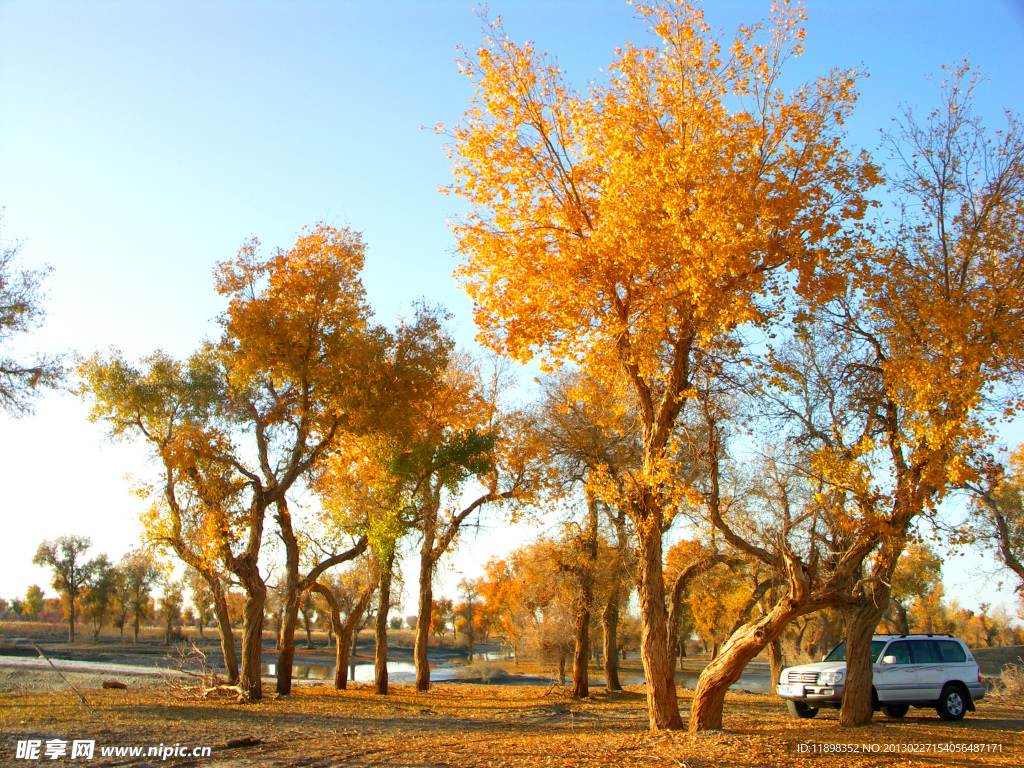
{"points": [[484, 671], [1011, 682]]}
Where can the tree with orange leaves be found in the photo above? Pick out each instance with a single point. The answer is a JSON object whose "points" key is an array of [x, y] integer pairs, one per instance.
{"points": [[926, 340], [629, 228], [299, 364]]}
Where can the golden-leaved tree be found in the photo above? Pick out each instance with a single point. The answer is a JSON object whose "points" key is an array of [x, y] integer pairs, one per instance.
{"points": [[298, 366], [929, 339], [626, 227], [158, 401]]}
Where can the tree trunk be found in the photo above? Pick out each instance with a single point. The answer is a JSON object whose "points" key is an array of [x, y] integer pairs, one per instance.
{"points": [[71, 620], [858, 706], [775, 659], [286, 639], [610, 614], [345, 642], [858, 702], [748, 641], [423, 617], [585, 572], [662, 704], [290, 604], [252, 640], [561, 665], [380, 627], [227, 637], [581, 655], [610, 624]]}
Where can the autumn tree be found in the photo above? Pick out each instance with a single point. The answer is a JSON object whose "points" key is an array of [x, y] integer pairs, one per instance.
{"points": [[505, 601], [998, 495], [687, 564], [450, 447], [100, 594], [165, 404], [929, 331], [470, 617], [65, 556], [139, 574], [627, 227], [172, 600], [298, 364], [770, 517], [584, 432], [204, 609], [348, 596], [33, 603], [21, 312]]}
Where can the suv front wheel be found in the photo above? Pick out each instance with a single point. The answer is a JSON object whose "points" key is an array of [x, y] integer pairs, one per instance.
{"points": [[952, 703], [895, 710], [799, 709]]}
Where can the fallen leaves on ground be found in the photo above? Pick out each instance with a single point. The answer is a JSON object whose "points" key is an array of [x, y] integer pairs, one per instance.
{"points": [[473, 726]]}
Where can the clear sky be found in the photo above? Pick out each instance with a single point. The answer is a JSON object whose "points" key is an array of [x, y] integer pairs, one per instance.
{"points": [[141, 142]]}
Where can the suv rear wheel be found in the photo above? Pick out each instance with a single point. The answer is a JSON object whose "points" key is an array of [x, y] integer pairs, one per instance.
{"points": [[895, 710], [952, 703], [799, 709]]}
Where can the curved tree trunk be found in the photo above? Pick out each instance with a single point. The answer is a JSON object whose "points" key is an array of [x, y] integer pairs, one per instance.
{"points": [[345, 642], [748, 641], [654, 651], [343, 630], [290, 604]]}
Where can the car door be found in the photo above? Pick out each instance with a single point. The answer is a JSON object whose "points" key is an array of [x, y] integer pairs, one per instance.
{"points": [[897, 681], [931, 673]]}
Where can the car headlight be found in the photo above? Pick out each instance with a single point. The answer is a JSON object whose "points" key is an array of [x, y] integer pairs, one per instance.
{"points": [[831, 678]]}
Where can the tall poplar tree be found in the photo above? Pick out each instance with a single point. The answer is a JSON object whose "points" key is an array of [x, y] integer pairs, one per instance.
{"points": [[630, 226]]}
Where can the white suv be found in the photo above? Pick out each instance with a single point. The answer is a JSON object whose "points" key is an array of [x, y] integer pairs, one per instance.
{"points": [[907, 671]]}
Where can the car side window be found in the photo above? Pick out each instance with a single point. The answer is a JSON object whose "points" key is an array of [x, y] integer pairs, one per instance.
{"points": [[901, 651], [922, 652], [951, 652]]}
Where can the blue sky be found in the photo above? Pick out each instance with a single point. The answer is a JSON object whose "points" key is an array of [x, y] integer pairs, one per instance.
{"points": [[141, 142]]}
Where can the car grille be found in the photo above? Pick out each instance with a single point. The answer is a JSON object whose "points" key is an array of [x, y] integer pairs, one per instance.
{"points": [[803, 677]]}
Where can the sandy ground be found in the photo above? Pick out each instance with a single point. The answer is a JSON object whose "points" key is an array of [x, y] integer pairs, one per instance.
{"points": [[28, 674], [491, 727]]}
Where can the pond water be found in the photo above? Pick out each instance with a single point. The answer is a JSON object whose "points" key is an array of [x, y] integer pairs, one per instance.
{"points": [[398, 672], [404, 672]]}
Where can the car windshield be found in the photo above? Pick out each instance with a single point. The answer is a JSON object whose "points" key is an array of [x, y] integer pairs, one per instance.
{"points": [[839, 652]]}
